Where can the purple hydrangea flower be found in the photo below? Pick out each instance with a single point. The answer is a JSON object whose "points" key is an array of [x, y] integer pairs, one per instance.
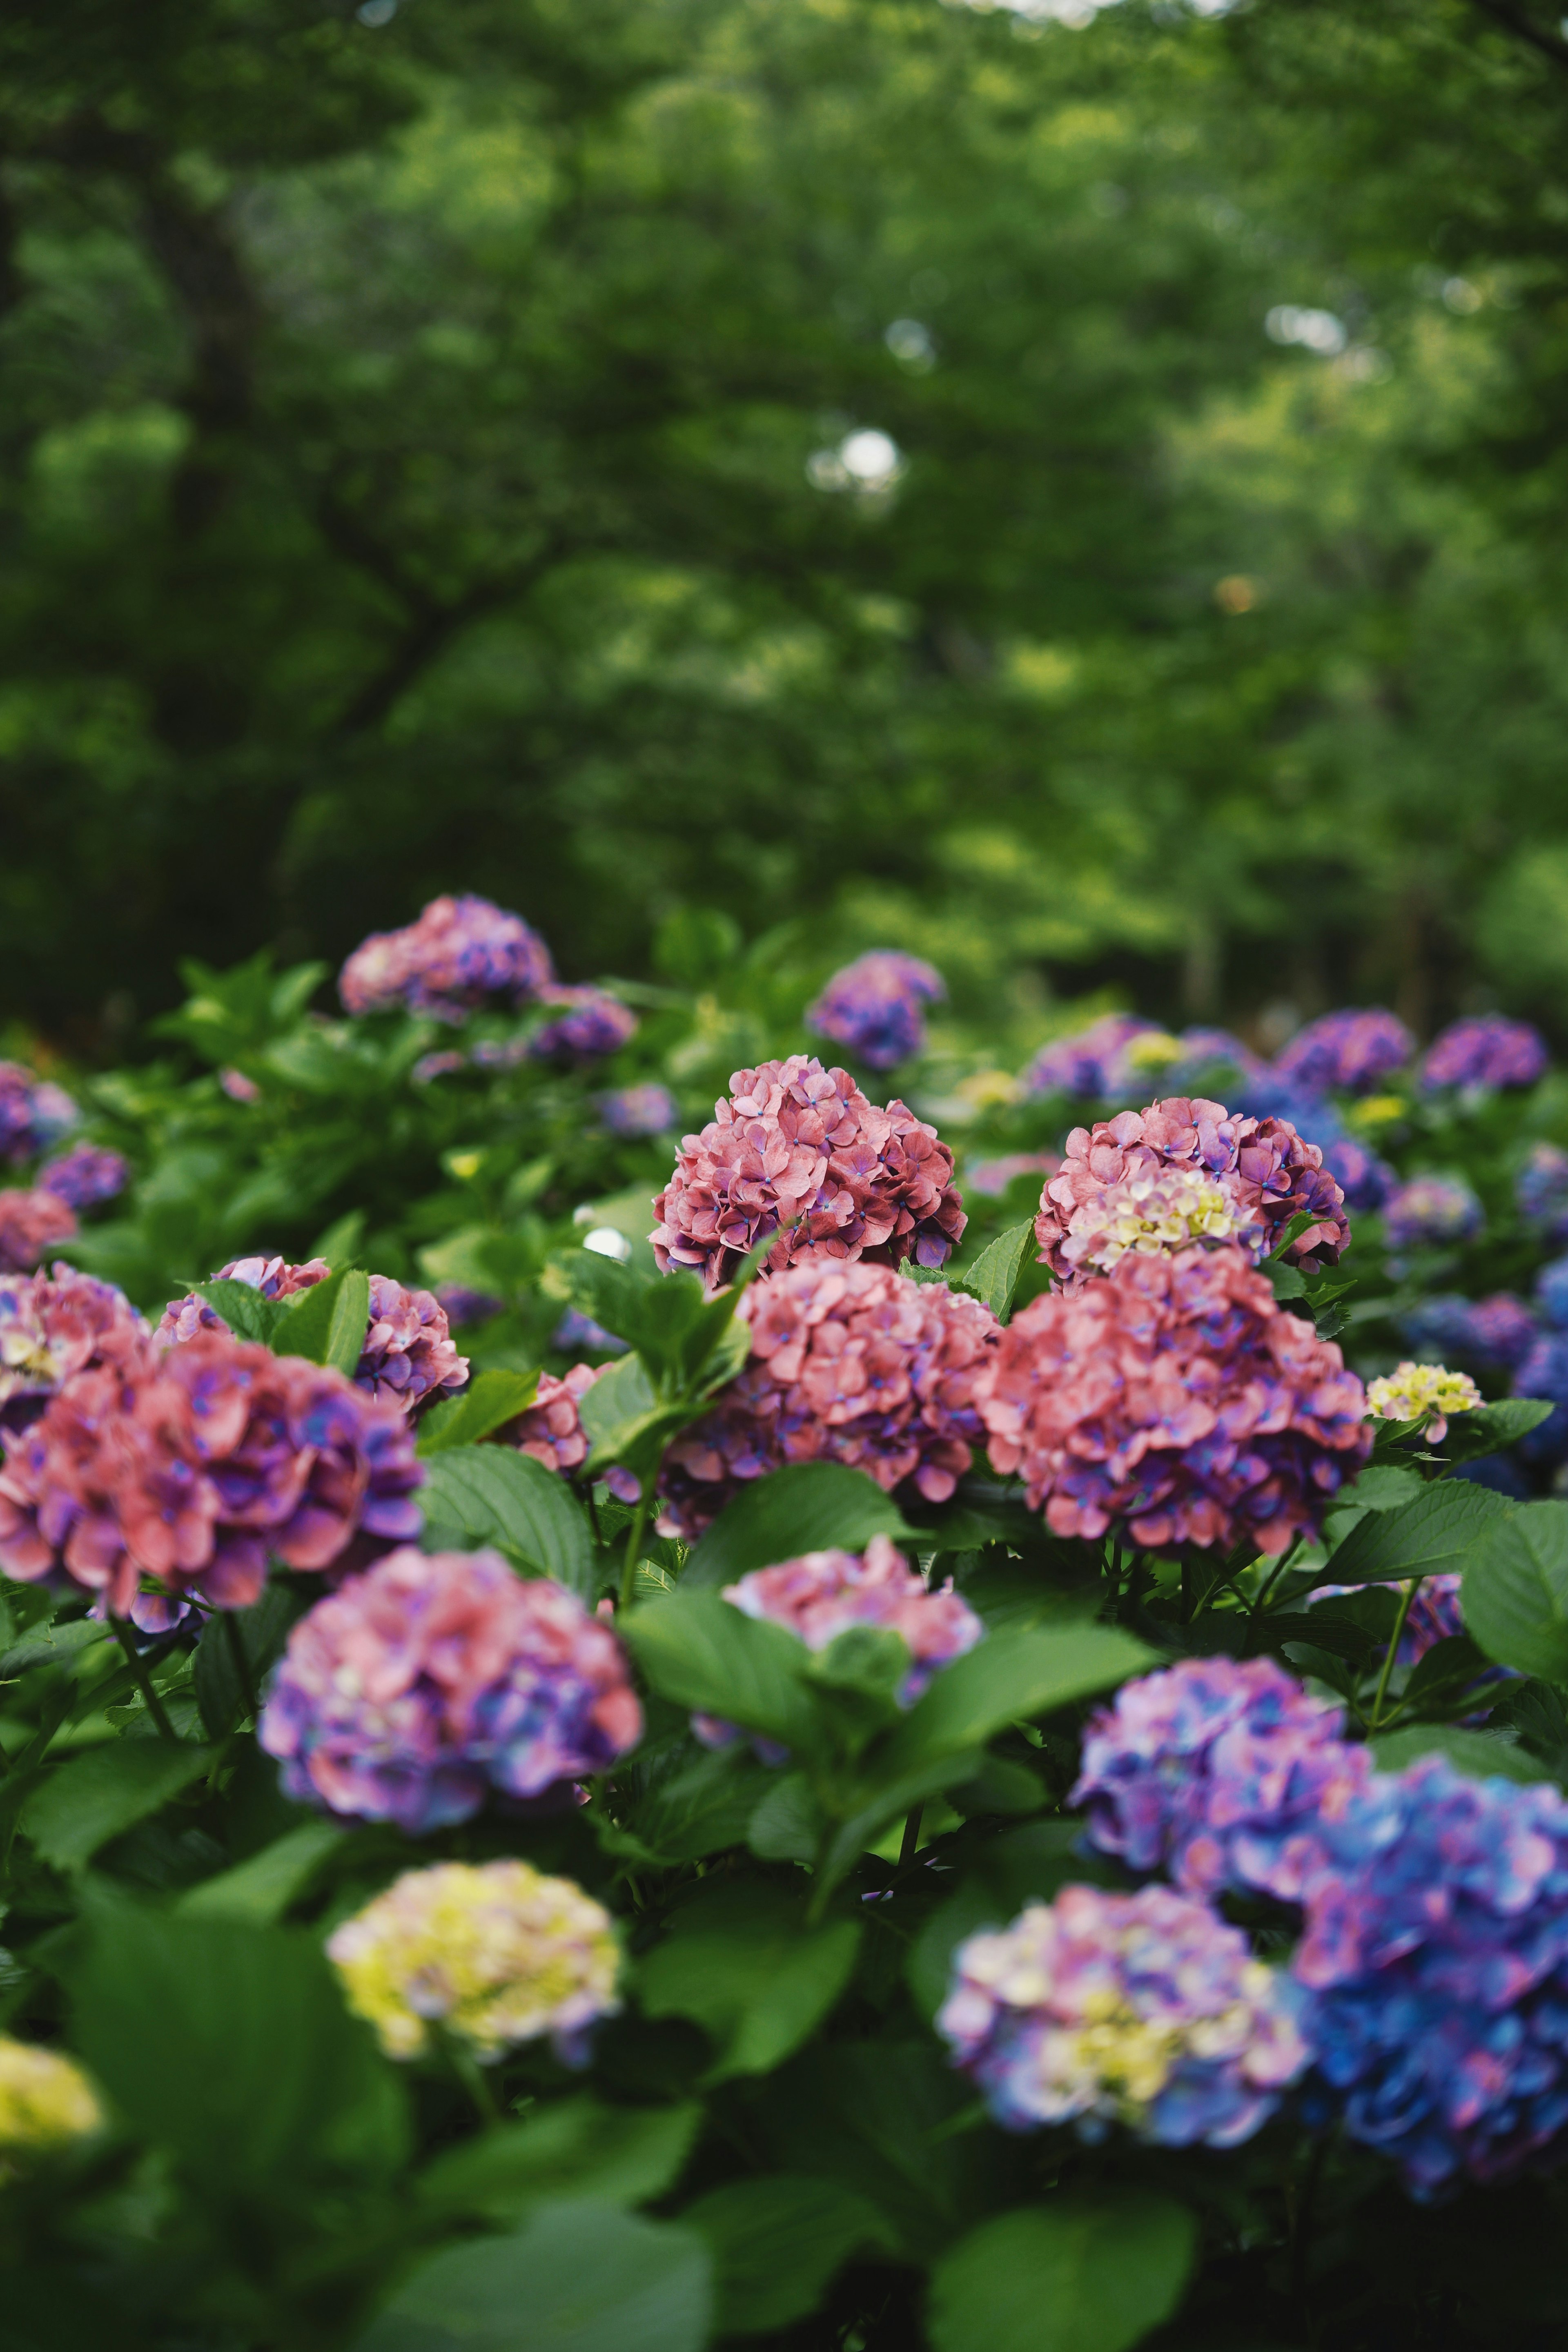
{"points": [[1438, 1325], [577, 1330], [52, 1327], [1091, 1065], [1432, 1209], [1347, 1052], [991, 1178], [460, 952], [1270, 1095], [408, 1351], [1217, 1771], [1207, 1051], [464, 1306], [273, 1276], [443, 1064], [414, 1689], [875, 1006], [1540, 1188], [589, 1024], [1489, 1051], [1365, 1180], [1437, 1953], [634, 1111], [33, 1112], [1500, 1331], [86, 1175], [1142, 2010]]}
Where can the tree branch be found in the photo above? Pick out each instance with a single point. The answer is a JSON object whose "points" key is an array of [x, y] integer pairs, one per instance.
{"points": [[1524, 27]]}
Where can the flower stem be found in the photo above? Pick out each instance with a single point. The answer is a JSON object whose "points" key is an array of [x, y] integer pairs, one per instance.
{"points": [[906, 1851], [1405, 1598], [124, 1634], [241, 1662], [470, 2074], [634, 1550]]}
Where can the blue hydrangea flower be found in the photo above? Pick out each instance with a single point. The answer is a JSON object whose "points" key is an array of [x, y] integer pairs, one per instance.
{"points": [[1540, 1190]]}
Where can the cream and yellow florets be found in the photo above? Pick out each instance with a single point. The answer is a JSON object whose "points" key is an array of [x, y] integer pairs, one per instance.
{"points": [[1428, 1393], [45, 2101], [494, 1955], [1166, 1212]]}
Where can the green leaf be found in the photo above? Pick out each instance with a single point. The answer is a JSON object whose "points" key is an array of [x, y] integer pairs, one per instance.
{"points": [[1381, 1486], [1082, 2273], [490, 1495], [262, 1888], [705, 1808], [1429, 1537], [740, 1961], [706, 1655], [1025, 1866], [1475, 1753], [327, 1323], [53, 1645], [490, 1400], [621, 1398], [579, 2277], [1008, 1678], [994, 1277], [1492, 1426], [576, 2146], [787, 1824], [248, 1315], [777, 2244], [1515, 1593], [231, 2045], [99, 1795], [263, 1630], [805, 1506]]}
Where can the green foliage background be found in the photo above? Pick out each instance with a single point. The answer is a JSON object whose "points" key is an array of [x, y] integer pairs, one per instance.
{"points": [[406, 429]]}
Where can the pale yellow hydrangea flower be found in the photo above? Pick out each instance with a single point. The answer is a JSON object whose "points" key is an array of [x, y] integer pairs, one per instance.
{"points": [[494, 1953], [1412, 1391], [1153, 1049], [45, 2101], [1163, 1211]]}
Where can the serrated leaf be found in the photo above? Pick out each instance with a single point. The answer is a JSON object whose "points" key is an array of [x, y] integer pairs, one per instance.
{"points": [[994, 1277], [615, 1409], [98, 1796], [1429, 1537], [1515, 1593], [248, 1315], [327, 1323], [1086, 2272], [705, 1808], [53, 1645], [1487, 1429], [477, 1494], [1012, 1677], [490, 1400], [805, 1506]]}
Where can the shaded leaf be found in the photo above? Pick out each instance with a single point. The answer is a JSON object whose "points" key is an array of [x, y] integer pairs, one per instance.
{"points": [[1080, 2273], [994, 1277], [99, 1795], [1515, 1593], [805, 1506], [1429, 1537], [576, 2146], [1492, 1426], [777, 2244], [708, 1655], [328, 1323], [1476, 1753], [262, 1887], [490, 1400], [477, 1494], [739, 1962]]}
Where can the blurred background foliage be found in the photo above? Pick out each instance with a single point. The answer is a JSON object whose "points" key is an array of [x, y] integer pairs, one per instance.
{"points": [[1079, 493]]}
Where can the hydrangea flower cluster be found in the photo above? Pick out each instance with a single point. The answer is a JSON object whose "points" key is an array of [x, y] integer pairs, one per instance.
{"points": [[1540, 1190], [45, 2101], [1432, 1209], [52, 1326], [462, 1305], [1365, 1180], [1092, 1065], [1489, 1051], [1174, 1398], [274, 1277], [799, 1147], [85, 1175], [1551, 1294], [1500, 1331], [493, 1954], [30, 1225], [634, 1111], [1347, 1052], [1214, 1049], [1428, 1393], [1247, 1178], [1217, 1772], [991, 1178], [192, 1464], [1543, 1372], [33, 1113], [409, 1354], [458, 953], [848, 1363], [1437, 1953], [589, 1024], [414, 1689], [577, 1330], [1141, 2010], [875, 1006], [552, 1429]]}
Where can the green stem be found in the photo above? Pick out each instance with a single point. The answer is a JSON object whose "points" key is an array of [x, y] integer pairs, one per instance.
{"points": [[470, 2074], [1405, 1598], [911, 1839], [125, 1636], [1282, 1564], [241, 1662], [633, 1548]]}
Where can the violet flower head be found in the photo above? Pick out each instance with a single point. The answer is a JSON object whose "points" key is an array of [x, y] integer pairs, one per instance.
{"points": [[577, 1330], [86, 1175], [1437, 1954], [463, 1305], [848, 1363], [1207, 1052], [409, 1354], [1217, 1772], [273, 1276], [875, 1007], [414, 1690], [1146, 2011], [552, 1429], [1540, 1190], [1091, 1065], [1175, 1399], [1490, 1052], [30, 1225], [1182, 1171], [1347, 1052], [589, 1024], [1500, 1331], [1365, 1180], [991, 1178], [799, 1148], [1432, 1210], [193, 1465], [443, 1064], [53, 1326], [460, 952], [34, 1113], [631, 1112]]}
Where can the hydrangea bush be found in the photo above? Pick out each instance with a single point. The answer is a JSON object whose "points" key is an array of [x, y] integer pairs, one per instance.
{"points": [[689, 1707]]}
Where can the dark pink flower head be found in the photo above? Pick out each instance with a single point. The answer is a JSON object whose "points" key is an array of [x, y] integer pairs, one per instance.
{"points": [[409, 1352], [1347, 1052], [193, 1465], [53, 1326], [460, 952], [1174, 1399], [552, 1429], [85, 1175], [798, 1145], [848, 1363], [30, 1224], [1186, 1171], [822, 1593], [414, 1689], [273, 1276], [588, 1024]]}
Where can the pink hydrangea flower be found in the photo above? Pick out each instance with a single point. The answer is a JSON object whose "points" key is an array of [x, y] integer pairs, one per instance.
{"points": [[552, 1429], [30, 1224], [800, 1147], [53, 1326], [414, 1689], [33, 1112], [1244, 1178], [273, 1276], [408, 1354], [848, 1363], [1174, 1399], [460, 952], [238, 1087], [193, 1464], [822, 1593]]}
